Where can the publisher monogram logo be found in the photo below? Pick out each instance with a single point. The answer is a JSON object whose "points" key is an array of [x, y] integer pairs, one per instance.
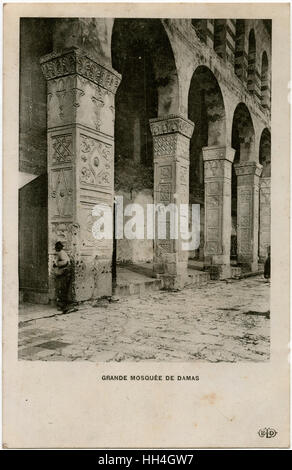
{"points": [[267, 432]]}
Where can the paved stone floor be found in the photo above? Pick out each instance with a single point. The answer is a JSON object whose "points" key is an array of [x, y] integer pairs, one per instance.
{"points": [[224, 321]]}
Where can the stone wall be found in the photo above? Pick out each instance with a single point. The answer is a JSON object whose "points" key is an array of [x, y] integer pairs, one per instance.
{"points": [[36, 40]]}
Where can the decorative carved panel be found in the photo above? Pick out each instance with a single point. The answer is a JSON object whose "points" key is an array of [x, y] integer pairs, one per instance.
{"points": [[164, 145], [75, 61], [171, 124], [164, 192], [165, 173], [96, 162], [213, 168], [61, 192], [62, 151]]}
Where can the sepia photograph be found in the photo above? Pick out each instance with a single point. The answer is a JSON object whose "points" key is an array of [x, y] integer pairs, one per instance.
{"points": [[146, 276], [144, 199]]}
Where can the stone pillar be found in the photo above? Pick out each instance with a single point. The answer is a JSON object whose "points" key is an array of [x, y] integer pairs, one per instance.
{"points": [[248, 175], [217, 174], [171, 142], [80, 121], [265, 218]]}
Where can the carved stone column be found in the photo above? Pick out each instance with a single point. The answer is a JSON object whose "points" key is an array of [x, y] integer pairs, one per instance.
{"points": [[217, 174], [248, 175], [80, 122], [265, 218], [171, 143]]}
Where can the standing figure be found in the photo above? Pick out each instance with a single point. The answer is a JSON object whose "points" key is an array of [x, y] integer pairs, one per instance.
{"points": [[267, 267], [63, 278]]}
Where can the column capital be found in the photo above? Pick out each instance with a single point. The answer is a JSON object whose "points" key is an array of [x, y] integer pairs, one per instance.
{"points": [[76, 61], [171, 124], [248, 168], [218, 153]]}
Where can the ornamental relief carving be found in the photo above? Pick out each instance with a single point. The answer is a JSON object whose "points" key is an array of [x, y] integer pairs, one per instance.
{"points": [[164, 192], [62, 151], [213, 168], [97, 110], [244, 221], [165, 173], [265, 196], [250, 169], [96, 162], [265, 183], [61, 192], [171, 125], [162, 247], [63, 94], [54, 66], [213, 187], [164, 145], [103, 111], [244, 194], [97, 73], [58, 66]]}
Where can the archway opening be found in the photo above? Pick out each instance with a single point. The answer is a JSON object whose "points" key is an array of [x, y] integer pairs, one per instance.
{"points": [[265, 153], [142, 54], [242, 141], [206, 110]]}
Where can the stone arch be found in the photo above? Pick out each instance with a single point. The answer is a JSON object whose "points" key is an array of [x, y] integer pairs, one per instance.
{"points": [[251, 59], [243, 134], [265, 81], [206, 109], [148, 36], [265, 153], [142, 54]]}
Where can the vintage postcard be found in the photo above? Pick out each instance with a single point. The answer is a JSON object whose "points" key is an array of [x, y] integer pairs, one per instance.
{"points": [[146, 225]]}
